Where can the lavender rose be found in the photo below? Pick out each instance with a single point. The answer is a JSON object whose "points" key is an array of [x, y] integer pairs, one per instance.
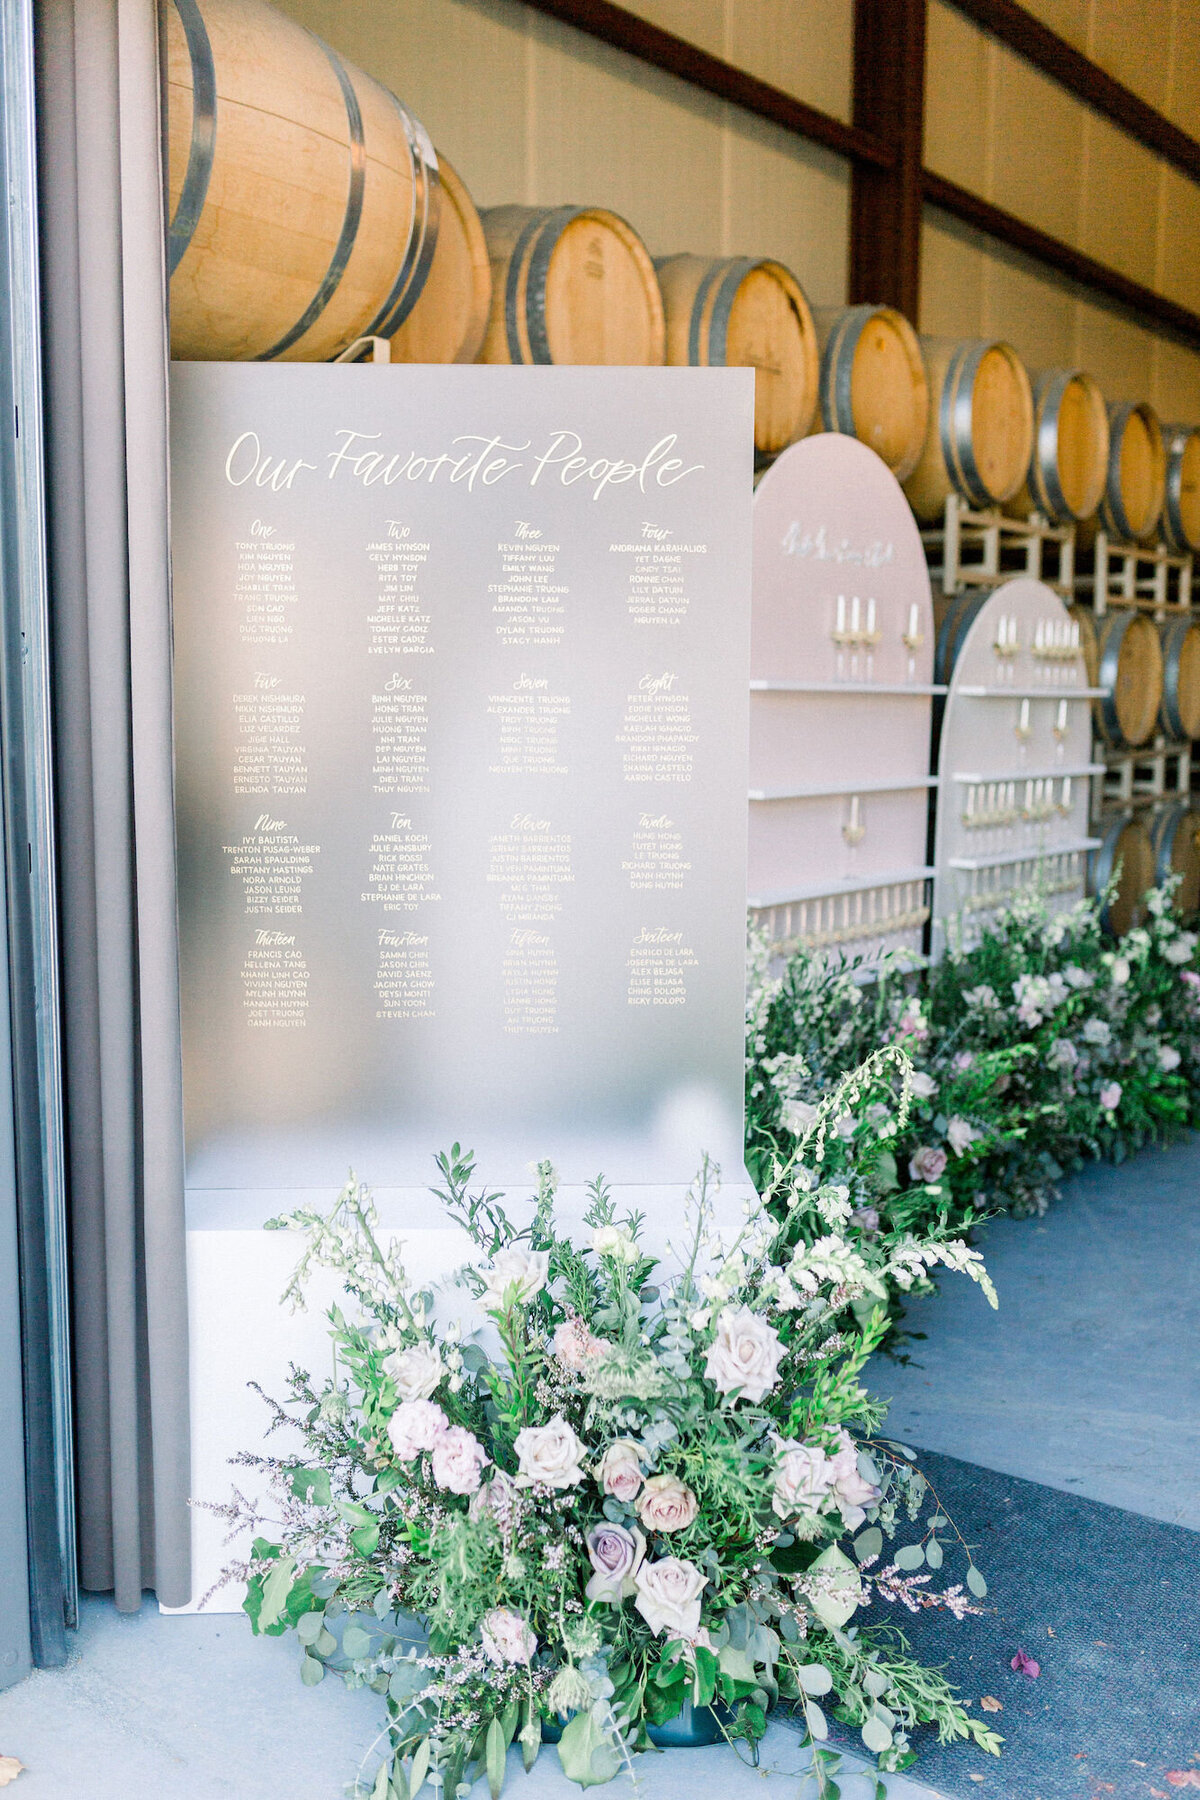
{"points": [[853, 1491], [550, 1454], [668, 1596], [616, 1556], [927, 1163], [458, 1459], [960, 1134], [415, 1371], [506, 1637], [416, 1425], [619, 1471], [667, 1504], [745, 1355]]}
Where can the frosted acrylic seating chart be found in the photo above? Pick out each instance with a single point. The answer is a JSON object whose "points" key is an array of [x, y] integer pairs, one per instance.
{"points": [[461, 704]]}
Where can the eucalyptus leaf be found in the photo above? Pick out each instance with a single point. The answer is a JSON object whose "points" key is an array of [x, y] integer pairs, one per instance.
{"points": [[309, 1627], [910, 1556], [586, 1752], [868, 1543], [355, 1643], [876, 1683], [276, 1589], [876, 1736], [312, 1671], [933, 1554], [326, 1644], [976, 1583], [494, 1756], [816, 1719], [312, 1485], [379, 1791], [814, 1678], [419, 1770]]}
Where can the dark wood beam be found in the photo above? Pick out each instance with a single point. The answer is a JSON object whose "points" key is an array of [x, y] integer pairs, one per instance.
{"points": [[624, 30], [885, 202], [1054, 56], [1148, 307]]}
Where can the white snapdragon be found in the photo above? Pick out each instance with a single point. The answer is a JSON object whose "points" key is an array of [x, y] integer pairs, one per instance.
{"points": [[833, 1204], [831, 1259]]}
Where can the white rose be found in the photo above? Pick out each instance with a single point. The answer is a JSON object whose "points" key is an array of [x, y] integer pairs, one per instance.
{"points": [[959, 1134], [1168, 1058], [803, 1476], [619, 1471], [551, 1454], [415, 1371], [516, 1276], [923, 1085], [416, 1425], [1180, 949], [745, 1355], [854, 1492], [668, 1596], [615, 1241], [1119, 972], [506, 1637]]}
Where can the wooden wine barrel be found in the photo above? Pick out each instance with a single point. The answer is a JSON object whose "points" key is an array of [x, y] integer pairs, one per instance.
{"points": [[1123, 652], [1175, 835], [1181, 495], [450, 316], [1137, 469], [570, 284], [1179, 716], [1069, 463], [303, 197], [955, 618], [981, 427], [740, 313], [873, 384], [1126, 853]]}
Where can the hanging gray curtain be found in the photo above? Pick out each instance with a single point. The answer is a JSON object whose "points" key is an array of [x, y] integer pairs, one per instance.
{"points": [[102, 235]]}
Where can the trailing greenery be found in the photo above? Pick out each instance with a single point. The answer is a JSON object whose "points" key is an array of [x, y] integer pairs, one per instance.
{"points": [[576, 1487], [1042, 1045]]}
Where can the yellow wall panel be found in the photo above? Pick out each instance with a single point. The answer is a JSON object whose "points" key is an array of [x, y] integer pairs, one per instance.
{"points": [[790, 201], [1132, 40], [1035, 314], [605, 131], [1176, 389], [805, 47], [1070, 18], [1118, 225], [1183, 100], [957, 98], [1117, 352], [952, 274], [1179, 256], [1037, 155], [459, 66]]}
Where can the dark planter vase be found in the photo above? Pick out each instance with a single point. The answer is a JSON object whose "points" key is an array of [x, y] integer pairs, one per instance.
{"points": [[690, 1729]]}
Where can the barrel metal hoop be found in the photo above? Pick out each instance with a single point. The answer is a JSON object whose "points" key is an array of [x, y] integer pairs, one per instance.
{"points": [[958, 447], [422, 237], [350, 222], [539, 269], [512, 287], [700, 354], [1045, 481], [1174, 632], [202, 148], [1112, 507], [1172, 512], [1103, 859], [736, 272], [837, 369], [1108, 656]]}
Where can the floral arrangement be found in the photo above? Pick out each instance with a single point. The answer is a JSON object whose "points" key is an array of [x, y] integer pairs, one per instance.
{"points": [[1045, 1043], [577, 1491]]}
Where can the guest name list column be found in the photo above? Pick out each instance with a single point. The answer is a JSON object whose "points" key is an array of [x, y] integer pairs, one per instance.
{"points": [[461, 663]]}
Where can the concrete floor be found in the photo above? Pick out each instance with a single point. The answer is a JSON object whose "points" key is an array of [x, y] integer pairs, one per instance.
{"points": [[194, 1708], [1086, 1380], [1088, 1377]]}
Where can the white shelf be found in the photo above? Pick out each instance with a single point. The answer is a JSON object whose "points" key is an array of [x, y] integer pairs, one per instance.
{"points": [[1016, 693], [1029, 775], [861, 787], [1032, 853], [850, 884], [844, 687]]}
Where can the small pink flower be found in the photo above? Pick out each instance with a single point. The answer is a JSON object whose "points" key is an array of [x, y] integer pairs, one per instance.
{"points": [[1110, 1096], [1025, 1665]]}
